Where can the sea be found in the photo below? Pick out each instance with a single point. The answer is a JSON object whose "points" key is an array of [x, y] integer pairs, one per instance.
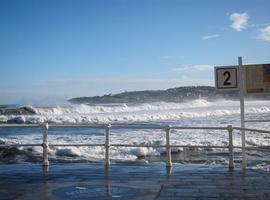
{"points": [[200, 112]]}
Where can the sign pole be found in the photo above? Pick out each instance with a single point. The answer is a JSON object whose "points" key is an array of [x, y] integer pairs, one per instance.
{"points": [[242, 110]]}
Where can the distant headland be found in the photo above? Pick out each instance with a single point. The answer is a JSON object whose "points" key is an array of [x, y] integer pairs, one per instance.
{"points": [[178, 94]]}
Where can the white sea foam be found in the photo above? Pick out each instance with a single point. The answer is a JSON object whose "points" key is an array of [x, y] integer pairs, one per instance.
{"points": [[139, 137], [194, 113], [159, 111], [116, 108]]}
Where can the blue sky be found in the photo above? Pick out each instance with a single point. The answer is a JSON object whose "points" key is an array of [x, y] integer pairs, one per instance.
{"points": [[54, 50]]}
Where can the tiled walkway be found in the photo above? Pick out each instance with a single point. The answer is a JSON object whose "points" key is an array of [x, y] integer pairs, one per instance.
{"points": [[130, 181]]}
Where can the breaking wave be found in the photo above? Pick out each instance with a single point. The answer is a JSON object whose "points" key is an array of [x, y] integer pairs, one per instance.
{"points": [[193, 113], [118, 108], [159, 111]]}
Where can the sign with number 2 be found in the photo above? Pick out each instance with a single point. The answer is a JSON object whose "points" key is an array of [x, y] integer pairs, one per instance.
{"points": [[226, 78]]}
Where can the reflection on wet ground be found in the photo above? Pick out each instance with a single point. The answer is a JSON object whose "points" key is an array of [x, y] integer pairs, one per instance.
{"points": [[131, 181]]}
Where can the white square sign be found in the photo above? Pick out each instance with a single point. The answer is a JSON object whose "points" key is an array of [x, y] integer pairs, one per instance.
{"points": [[226, 78]]}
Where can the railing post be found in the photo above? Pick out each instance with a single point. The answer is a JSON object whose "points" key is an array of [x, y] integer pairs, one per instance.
{"points": [[168, 147], [45, 144], [244, 154], [231, 160], [107, 145]]}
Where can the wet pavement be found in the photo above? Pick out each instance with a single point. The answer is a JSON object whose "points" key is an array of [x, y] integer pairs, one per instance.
{"points": [[131, 181]]}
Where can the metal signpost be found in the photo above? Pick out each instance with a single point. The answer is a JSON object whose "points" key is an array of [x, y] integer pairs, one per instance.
{"points": [[248, 79], [232, 78], [241, 81]]}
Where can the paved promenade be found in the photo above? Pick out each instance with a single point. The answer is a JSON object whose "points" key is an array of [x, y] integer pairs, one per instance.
{"points": [[131, 181]]}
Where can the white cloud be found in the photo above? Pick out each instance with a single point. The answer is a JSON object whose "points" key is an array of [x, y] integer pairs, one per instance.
{"points": [[239, 21], [194, 68], [209, 37], [265, 34], [259, 25]]}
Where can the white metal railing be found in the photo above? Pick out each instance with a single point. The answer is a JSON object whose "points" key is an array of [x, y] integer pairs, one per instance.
{"points": [[45, 144], [257, 120]]}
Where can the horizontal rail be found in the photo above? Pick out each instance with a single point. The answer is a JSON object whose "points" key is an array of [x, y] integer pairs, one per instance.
{"points": [[128, 127], [161, 146], [137, 145], [125, 127], [129, 145], [20, 125], [21, 145], [135, 127], [257, 120], [77, 126], [258, 147], [252, 130], [198, 128], [75, 145], [107, 127], [112, 126], [117, 145], [133, 145]]}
